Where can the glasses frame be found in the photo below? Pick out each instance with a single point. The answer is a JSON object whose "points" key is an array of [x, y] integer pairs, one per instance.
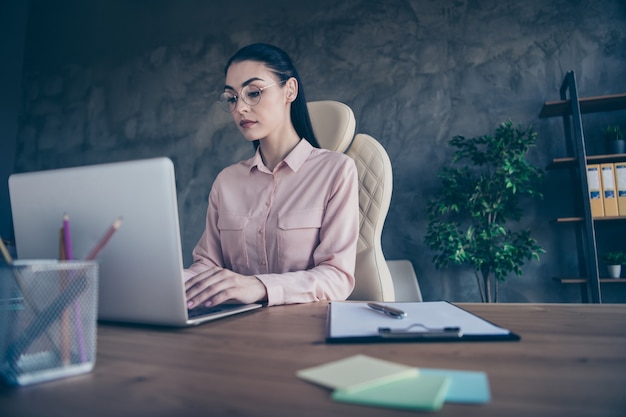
{"points": [[229, 107]]}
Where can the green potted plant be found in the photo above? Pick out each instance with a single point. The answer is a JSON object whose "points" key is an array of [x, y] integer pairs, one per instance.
{"points": [[615, 138], [614, 261], [469, 219]]}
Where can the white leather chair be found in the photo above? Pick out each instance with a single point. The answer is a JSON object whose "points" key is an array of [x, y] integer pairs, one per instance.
{"points": [[405, 281], [334, 126], [333, 123], [373, 279]]}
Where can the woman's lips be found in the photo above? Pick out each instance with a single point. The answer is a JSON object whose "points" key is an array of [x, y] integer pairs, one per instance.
{"points": [[246, 123]]}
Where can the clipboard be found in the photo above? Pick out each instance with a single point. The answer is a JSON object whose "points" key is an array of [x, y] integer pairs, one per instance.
{"points": [[433, 321]]}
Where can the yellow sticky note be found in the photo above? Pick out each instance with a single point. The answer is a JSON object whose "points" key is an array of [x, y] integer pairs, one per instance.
{"points": [[357, 372]]}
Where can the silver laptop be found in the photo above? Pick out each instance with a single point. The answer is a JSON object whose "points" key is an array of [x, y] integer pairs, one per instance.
{"points": [[141, 267]]}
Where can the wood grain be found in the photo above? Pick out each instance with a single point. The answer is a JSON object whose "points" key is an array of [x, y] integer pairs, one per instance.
{"points": [[571, 361]]}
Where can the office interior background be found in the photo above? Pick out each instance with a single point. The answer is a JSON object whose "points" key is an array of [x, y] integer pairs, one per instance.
{"points": [[96, 81]]}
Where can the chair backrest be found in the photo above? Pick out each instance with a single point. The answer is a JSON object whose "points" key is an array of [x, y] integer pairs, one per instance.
{"points": [[334, 126], [373, 279]]}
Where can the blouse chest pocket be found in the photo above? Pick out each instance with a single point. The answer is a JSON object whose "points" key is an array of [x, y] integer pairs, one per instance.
{"points": [[233, 239], [298, 235]]}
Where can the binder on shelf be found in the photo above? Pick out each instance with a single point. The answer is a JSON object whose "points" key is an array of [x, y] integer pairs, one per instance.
{"points": [[595, 190], [609, 195], [620, 187]]}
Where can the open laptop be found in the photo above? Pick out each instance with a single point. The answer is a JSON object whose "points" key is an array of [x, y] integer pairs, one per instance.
{"points": [[141, 267]]}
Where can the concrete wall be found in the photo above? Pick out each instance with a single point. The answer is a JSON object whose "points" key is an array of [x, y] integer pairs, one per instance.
{"points": [[117, 80], [12, 33]]}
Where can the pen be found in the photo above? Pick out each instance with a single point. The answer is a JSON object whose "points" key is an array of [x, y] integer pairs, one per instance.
{"points": [[389, 311]]}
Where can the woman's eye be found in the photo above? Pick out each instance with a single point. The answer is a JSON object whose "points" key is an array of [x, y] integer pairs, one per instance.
{"points": [[254, 94]]}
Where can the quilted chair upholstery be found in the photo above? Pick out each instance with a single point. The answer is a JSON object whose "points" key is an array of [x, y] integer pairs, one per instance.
{"points": [[334, 127], [373, 279]]}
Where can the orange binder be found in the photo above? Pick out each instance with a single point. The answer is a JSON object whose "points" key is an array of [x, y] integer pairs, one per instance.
{"points": [[609, 193], [595, 190], [620, 187]]}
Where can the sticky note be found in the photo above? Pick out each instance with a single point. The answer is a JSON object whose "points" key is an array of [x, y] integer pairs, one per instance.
{"points": [[422, 392], [357, 372], [465, 386]]}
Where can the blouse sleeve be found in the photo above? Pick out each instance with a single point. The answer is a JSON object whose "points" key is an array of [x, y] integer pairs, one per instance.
{"points": [[207, 253]]}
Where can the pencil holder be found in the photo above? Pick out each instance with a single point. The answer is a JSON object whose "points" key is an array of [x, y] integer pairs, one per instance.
{"points": [[48, 312]]}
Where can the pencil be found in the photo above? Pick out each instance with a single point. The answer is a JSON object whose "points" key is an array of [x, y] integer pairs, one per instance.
{"points": [[5, 252], [19, 280], [16, 274], [65, 316], [67, 237], [94, 252]]}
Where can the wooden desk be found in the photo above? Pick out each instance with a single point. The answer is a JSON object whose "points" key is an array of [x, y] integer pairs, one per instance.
{"points": [[571, 361]]}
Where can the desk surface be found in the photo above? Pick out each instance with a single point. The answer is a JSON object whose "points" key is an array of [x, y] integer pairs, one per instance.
{"points": [[571, 361]]}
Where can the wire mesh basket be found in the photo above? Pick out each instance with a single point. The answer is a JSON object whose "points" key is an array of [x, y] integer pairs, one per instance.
{"points": [[48, 312]]}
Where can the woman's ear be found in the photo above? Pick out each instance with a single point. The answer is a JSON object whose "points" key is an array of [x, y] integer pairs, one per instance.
{"points": [[291, 87]]}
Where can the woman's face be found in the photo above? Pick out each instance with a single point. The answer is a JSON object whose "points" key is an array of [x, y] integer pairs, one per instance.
{"points": [[271, 114]]}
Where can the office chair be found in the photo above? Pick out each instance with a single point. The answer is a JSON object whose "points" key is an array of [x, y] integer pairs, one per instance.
{"points": [[333, 123], [334, 126], [375, 184], [405, 284]]}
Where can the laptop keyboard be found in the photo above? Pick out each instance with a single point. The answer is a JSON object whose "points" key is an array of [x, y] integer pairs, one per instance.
{"points": [[203, 311]]}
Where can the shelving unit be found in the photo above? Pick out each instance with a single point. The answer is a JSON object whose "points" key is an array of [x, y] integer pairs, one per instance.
{"points": [[570, 108]]}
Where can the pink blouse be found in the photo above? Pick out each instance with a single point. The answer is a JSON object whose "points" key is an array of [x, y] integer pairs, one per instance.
{"points": [[295, 228]]}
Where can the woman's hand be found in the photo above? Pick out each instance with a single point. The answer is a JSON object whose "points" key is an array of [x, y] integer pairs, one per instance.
{"points": [[217, 285]]}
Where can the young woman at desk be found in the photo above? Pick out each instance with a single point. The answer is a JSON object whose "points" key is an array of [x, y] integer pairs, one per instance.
{"points": [[282, 226]]}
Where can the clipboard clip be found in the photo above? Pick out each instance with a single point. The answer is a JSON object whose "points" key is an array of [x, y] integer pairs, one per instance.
{"points": [[418, 330]]}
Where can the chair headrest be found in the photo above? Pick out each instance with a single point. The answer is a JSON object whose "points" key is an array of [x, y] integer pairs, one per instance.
{"points": [[333, 124]]}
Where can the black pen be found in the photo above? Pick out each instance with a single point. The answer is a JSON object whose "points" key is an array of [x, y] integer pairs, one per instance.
{"points": [[389, 311]]}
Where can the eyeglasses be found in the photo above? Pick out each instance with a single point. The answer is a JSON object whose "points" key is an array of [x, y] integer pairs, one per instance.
{"points": [[250, 94]]}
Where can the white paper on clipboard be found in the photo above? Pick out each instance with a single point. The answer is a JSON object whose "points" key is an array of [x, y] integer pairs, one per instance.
{"points": [[349, 319]]}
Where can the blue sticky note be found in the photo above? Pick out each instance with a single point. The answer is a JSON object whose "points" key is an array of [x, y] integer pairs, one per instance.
{"points": [[421, 392], [465, 386]]}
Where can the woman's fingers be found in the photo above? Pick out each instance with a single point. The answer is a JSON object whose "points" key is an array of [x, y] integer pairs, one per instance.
{"points": [[221, 285], [196, 287]]}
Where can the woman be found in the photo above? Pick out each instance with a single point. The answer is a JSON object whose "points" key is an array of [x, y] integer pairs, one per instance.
{"points": [[282, 226]]}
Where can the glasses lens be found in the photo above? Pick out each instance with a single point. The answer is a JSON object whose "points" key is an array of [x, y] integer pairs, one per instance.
{"points": [[228, 101], [251, 95]]}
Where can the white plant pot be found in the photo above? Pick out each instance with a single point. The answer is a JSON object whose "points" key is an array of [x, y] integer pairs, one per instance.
{"points": [[614, 270]]}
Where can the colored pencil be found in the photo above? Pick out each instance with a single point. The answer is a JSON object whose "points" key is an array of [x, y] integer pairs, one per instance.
{"points": [[94, 252], [67, 239], [16, 274], [65, 317], [5, 252]]}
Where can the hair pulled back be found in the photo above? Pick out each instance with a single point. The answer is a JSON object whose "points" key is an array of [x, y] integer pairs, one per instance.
{"points": [[279, 63]]}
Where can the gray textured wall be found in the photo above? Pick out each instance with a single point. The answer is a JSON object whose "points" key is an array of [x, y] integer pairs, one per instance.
{"points": [[117, 80], [12, 30]]}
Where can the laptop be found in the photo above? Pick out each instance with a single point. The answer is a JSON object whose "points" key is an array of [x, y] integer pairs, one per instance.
{"points": [[141, 267]]}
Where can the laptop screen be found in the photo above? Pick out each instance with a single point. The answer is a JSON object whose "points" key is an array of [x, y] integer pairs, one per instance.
{"points": [[140, 273]]}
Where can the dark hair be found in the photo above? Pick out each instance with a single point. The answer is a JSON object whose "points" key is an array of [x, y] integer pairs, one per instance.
{"points": [[279, 62]]}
